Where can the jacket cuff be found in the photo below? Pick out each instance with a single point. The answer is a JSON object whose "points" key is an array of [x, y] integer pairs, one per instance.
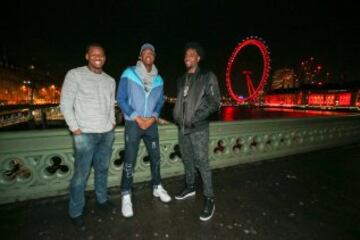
{"points": [[155, 114], [134, 115], [73, 128]]}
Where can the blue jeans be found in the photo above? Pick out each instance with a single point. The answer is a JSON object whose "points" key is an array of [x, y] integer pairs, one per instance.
{"points": [[91, 149], [133, 135]]}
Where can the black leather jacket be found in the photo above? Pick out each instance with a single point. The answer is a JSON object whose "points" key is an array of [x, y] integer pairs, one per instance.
{"points": [[202, 100]]}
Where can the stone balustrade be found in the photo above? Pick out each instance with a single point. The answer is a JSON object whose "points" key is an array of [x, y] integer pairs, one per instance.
{"points": [[37, 164]]}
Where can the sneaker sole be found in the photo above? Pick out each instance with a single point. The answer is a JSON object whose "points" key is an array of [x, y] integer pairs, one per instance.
{"points": [[209, 217], [157, 196], [128, 216], [186, 196]]}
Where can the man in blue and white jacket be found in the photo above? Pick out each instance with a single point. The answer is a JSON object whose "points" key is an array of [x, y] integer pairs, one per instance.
{"points": [[140, 97]]}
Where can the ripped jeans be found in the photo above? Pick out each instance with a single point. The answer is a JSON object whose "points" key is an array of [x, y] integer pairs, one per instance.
{"points": [[133, 135]]}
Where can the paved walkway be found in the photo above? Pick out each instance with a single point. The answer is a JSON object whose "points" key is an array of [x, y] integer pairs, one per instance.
{"points": [[308, 196]]}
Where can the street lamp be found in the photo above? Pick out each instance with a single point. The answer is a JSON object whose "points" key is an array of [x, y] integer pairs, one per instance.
{"points": [[53, 93], [29, 85]]}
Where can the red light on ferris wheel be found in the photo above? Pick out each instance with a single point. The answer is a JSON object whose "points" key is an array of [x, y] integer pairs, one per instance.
{"points": [[254, 90]]}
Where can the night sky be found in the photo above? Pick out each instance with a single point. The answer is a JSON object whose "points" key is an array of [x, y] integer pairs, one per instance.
{"points": [[52, 35]]}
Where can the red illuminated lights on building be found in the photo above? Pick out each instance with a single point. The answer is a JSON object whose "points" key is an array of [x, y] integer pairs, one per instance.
{"points": [[323, 99]]}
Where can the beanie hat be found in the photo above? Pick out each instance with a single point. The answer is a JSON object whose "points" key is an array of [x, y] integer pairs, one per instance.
{"points": [[147, 46]]}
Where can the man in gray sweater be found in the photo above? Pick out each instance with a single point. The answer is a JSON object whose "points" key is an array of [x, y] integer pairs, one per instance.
{"points": [[87, 103]]}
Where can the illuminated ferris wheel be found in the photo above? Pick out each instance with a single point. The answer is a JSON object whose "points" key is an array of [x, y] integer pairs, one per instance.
{"points": [[252, 87]]}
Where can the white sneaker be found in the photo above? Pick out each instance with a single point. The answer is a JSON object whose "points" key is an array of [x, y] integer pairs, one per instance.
{"points": [[159, 191], [126, 206]]}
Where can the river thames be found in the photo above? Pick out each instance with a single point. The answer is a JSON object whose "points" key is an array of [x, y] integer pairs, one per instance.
{"points": [[226, 113]]}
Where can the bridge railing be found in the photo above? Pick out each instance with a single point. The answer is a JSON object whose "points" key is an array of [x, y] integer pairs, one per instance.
{"points": [[37, 164]]}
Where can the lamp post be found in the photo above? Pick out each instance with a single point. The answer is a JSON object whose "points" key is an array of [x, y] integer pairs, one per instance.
{"points": [[52, 93], [26, 88], [32, 83]]}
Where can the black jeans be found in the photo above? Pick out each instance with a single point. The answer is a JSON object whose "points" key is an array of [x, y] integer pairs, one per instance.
{"points": [[194, 149], [133, 135]]}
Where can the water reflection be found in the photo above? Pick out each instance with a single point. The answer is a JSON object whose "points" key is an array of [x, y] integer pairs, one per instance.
{"points": [[226, 113], [231, 113]]}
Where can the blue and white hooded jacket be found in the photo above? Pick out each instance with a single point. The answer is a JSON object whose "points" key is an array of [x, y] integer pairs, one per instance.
{"points": [[134, 100]]}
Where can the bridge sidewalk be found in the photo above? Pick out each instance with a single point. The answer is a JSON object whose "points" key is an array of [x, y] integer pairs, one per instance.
{"points": [[308, 196]]}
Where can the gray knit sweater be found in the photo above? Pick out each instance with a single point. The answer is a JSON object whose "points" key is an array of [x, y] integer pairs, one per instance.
{"points": [[87, 100]]}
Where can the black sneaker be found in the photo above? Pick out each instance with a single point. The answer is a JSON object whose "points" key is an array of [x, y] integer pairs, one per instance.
{"points": [[78, 222], [209, 209], [107, 206], [185, 193]]}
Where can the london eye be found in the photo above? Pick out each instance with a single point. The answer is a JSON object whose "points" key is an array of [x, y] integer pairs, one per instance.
{"points": [[245, 82]]}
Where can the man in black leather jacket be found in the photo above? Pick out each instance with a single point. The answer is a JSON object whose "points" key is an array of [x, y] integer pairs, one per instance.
{"points": [[198, 97]]}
